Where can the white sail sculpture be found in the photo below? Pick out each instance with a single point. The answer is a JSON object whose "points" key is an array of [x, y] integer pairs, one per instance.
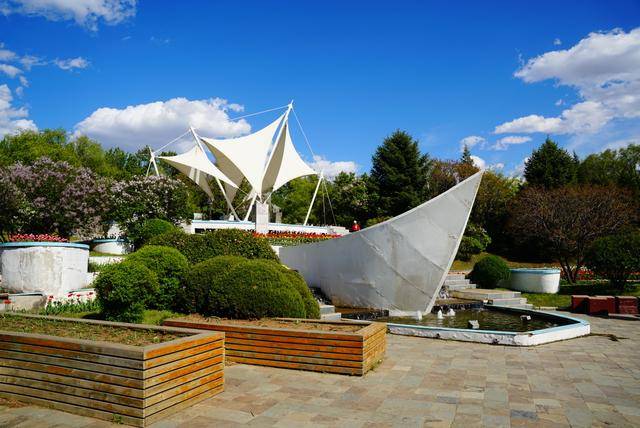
{"points": [[400, 264], [267, 159]]}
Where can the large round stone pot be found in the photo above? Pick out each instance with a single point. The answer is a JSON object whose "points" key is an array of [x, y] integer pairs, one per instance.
{"points": [[111, 246], [543, 280], [51, 268]]}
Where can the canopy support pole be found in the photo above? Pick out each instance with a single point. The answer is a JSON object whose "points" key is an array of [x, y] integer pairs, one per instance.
{"points": [[315, 193], [253, 200], [152, 161], [226, 198]]}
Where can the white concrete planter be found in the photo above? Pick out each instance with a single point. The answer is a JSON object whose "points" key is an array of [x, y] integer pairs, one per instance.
{"points": [[111, 246], [542, 280], [50, 268]]}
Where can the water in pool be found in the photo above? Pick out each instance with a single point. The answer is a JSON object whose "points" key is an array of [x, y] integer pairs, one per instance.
{"points": [[488, 320]]}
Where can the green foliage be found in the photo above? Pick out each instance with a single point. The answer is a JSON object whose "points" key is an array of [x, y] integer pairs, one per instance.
{"points": [[223, 242], [375, 220], [294, 199], [398, 175], [13, 206], [312, 309], [615, 257], [70, 307], [489, 271], [170, 267], [249, 289], [474, 241], [124, 290], [349, 198], [196, 294], [141, 233], [550, 166]]}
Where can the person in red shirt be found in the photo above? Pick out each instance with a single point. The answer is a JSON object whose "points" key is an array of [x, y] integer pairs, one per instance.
{"points": [[355, 227]]}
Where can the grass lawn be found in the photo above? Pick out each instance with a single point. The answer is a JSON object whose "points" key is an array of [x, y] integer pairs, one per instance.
{"points": [[459, 265], [563, 298]]}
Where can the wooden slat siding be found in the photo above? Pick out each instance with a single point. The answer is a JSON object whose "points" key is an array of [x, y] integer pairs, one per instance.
{"points": [[178, 355], [337, 352], [72, 408], [152, 374], [73, 355], [73, 373], [94, 347], [299, 366], [115, 388], [332, 335], [73, 364], [182, 405], [288, 345], [65, 380]]}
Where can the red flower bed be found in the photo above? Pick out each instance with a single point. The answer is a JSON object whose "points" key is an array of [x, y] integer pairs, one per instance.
{"points": [[30, 237]]}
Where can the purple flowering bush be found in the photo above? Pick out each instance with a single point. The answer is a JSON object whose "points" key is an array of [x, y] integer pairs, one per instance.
{"points": [[59, 198], [143, 198], [13, 206]]}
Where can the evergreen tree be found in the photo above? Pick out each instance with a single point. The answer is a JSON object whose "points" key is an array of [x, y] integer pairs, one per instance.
{"points": [[398, 175], [550, 166], [465, 159]]}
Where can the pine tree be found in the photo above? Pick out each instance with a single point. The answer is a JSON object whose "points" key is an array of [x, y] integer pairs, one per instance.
{"points": [[550, 166], [465, 159], [398, 175]]}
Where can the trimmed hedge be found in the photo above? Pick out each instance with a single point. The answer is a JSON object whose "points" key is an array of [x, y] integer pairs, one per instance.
{"points": [[124, 289], [170, 267], [312, 309], [223, 242], [141, 233], [615, 257], [195, 294], [489, 271]]}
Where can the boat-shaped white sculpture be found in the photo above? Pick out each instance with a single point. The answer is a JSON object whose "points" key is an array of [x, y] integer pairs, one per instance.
{"points": [[400, 264]]}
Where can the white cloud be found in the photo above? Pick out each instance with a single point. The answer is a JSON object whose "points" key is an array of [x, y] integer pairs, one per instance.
{"points": [[559, 102], [557, 42], [479, 162], [10, 70], [12, 119], [23, 81], [6, 55], [156, 123], [29, 61], [496, 166], [71, 63], [332, 169], [20, 91], [472, 140], [86, 13], [518, 171], [504, 142], [605, 70]]}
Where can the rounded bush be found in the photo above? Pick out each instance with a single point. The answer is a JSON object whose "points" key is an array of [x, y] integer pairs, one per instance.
{"points": [[489, 271], [195, 296], [170, 267], [224, 242], [124, 289], [312, 309], [615, 257], [141, 233]]}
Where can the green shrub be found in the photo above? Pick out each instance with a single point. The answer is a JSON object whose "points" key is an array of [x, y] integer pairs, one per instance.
{"points": [[224, 242], [195, 295], [489, 271], [474, 241], [312, 309], [248, 289], [124, 289], [141, 233], [615, 257], [170, 267]]}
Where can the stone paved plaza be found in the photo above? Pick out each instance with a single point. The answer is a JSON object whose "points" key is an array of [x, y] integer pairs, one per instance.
{"points": [[592, 381]]}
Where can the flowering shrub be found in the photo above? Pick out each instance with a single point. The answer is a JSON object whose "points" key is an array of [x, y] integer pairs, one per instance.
{"points": [[30, 237], [60, 198], [143, 198], [72, 303], [13, 205], [293, 238]]}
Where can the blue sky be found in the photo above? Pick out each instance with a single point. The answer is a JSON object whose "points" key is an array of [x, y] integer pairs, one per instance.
{"points": [[503, 75]]}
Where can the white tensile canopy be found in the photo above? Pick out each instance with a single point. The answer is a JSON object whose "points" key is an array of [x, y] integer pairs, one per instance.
{"points": [[267, 159]]}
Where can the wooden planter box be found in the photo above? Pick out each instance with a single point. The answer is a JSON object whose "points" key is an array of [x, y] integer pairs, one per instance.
{"points": [[353, 353], [135, 385]]}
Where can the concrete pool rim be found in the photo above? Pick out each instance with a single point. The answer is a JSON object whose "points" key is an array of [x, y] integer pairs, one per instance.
{"points": [[575, 328]]}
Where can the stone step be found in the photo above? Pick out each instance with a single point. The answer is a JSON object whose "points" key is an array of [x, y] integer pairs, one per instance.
{"points": [[485, 294], [454, 276], [460, 287], [336, 316], [327, 309], [456, 281]]}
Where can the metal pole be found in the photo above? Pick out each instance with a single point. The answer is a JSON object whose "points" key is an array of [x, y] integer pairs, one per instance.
{"points": [[253, 200], [315, 193], [226, 198]]}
